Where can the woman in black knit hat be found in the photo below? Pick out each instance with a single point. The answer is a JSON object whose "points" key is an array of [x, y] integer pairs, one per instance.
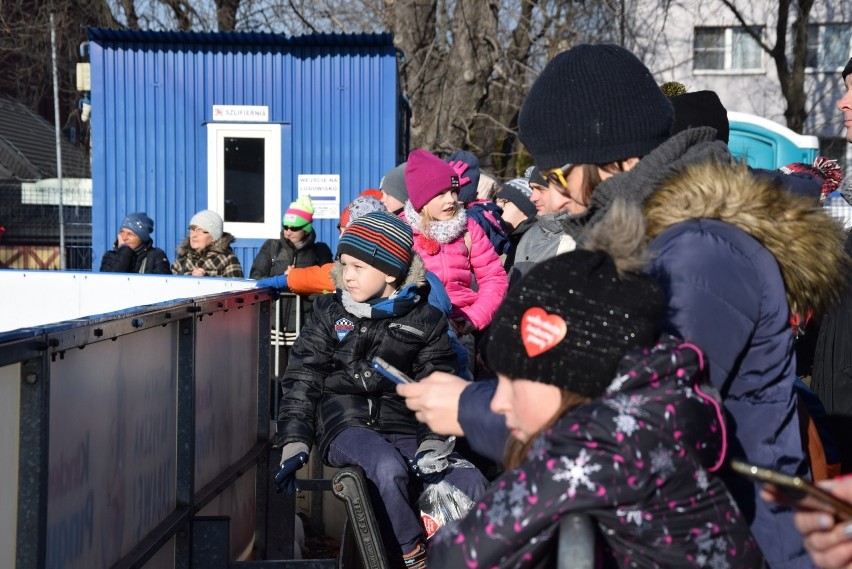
{"points": [[607, 419], [736, 257]]}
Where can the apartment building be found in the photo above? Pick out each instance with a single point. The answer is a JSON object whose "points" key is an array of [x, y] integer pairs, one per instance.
{"points": [[702, 44]]}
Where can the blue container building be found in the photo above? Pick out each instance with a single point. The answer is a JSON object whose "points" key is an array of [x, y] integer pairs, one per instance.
{"points": [[240, 123]]}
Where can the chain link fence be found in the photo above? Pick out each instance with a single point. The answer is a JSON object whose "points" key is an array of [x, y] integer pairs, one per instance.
{"points": [[31, 223]]}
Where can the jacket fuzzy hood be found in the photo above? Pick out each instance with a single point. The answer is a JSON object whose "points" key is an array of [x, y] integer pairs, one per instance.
{"points": [[416, 274], [805, 241]]}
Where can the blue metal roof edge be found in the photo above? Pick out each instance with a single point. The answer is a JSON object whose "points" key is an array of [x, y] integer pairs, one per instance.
{"points": [[105, 35]]}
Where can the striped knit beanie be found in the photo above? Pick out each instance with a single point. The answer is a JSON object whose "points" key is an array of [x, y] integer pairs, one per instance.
{"points": [[300, 214], [381, 240]]}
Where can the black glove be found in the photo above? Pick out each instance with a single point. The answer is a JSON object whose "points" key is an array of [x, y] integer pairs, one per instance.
{"points": [[293, 457], [430, 462]]}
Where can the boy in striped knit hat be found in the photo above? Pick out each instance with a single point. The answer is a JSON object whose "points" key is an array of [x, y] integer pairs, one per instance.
{"points": [[335, 403]]}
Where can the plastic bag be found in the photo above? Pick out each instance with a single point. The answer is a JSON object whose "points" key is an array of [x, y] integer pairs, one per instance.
{"points": [[442, 502]]}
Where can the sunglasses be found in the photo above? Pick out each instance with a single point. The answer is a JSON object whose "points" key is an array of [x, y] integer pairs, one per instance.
{"points": [[556, 176], [292, 228], [196, 229]]}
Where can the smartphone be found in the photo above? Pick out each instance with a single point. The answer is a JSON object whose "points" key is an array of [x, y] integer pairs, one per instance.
{"points": [[390, 372], [795, 488]]}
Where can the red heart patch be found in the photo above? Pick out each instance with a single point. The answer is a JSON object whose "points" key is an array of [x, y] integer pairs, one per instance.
{"points": [[541, 331]]}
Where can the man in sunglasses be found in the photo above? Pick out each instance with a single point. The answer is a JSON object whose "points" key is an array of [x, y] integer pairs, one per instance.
{"points": [[545, 237]]}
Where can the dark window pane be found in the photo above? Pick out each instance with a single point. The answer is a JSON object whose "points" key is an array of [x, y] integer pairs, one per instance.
{"points": [[244, 174], [709, 37], [709, 60], [709, 48]]}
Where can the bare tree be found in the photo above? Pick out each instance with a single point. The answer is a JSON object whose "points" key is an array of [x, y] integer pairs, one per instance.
{"points": [[25, 50], [791, 71], [465, 65], [226, 14]]}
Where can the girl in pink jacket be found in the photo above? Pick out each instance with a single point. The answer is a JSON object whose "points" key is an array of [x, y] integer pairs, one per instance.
{"points": [[452, 246]]}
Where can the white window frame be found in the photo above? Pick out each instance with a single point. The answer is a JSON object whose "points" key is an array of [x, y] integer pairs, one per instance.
{"points": [[820, 28], [729, 56], [271, 134]]}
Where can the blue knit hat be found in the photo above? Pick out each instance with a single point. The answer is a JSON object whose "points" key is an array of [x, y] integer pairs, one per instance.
{"points": [[140, 224], [381, 240]]}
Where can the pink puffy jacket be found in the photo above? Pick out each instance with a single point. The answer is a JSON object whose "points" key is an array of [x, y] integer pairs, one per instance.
{"points": [[456, 267]]}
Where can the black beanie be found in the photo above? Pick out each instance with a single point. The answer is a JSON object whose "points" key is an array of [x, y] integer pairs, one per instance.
{"points": [[518, 192], [536, 177], [593, 104], [847, 70], [467, 191], [700, 108], [570, 321]]}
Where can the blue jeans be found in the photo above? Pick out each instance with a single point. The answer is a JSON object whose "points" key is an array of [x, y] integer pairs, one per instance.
{"points": [[384, 458]]}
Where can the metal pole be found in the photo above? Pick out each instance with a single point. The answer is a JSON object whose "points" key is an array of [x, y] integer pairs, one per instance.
{"points": [[58, 139]]}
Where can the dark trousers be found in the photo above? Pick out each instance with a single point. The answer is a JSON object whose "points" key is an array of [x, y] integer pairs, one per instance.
{"points": [[384, 458]]}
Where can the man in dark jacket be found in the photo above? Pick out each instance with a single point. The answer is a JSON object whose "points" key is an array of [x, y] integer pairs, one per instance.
{"points": [[134, 251], [832, 372]]}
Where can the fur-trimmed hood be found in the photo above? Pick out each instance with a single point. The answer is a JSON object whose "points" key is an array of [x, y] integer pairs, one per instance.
{"points": [[805, 241], [416, 274]]}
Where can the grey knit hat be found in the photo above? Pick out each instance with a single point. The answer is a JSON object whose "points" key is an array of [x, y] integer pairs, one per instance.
{"points": [[593, 104], [393, 183], [210, 221], [360, 206]]}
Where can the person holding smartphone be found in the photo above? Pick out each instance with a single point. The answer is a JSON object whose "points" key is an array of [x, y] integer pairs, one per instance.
{"points": [[336, 402], [826, 530]]}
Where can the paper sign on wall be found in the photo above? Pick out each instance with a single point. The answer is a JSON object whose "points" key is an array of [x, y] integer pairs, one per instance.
{"points": [[324, 191]]}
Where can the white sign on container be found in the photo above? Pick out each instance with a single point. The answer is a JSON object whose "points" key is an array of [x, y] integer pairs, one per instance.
{"points": [[240, 113], [324, 191]]}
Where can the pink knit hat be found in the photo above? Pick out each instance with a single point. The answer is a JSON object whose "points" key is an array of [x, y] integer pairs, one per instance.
{"points": [[427, 176]]}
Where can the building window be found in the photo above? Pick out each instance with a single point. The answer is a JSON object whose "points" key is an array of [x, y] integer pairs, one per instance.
{"points": [[244, 177], [726, 49], [829, 46]]}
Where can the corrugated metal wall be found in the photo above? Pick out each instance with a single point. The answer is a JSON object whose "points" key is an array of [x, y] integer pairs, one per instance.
{"points": [[153, 93]]}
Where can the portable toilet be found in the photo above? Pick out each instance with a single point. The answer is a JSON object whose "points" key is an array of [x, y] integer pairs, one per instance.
{"points": [[766, 144]]}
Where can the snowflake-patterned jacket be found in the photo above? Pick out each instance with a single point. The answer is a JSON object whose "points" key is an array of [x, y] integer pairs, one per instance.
{"points": [[638, 460]]}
